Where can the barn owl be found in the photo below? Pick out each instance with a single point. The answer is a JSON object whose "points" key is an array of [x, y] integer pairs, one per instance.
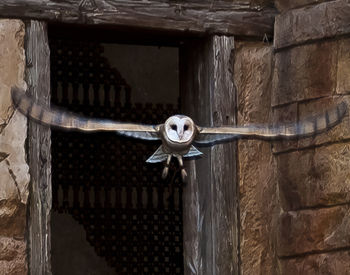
{"points": [[179, 132]]}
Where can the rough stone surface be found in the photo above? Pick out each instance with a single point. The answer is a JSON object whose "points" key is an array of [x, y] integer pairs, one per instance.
{"points": [[285, 5], [305, 72], [14, 175], [314, 177], [313, 230], [257, 188], [328, 263], [12, 256], [343, 68], [321, 21]]}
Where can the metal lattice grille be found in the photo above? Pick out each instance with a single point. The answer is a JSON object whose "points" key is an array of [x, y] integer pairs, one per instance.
{"points": [[132, 217]]}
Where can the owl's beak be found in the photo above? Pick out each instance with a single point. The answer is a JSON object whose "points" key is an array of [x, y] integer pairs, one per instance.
{"points": [[180, 134]]}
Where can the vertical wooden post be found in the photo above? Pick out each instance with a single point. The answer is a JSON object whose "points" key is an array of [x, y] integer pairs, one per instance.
{"points": [[39, 156], [210, 196]]}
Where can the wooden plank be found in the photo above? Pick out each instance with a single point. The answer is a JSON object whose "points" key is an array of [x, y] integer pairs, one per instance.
{"points": [[39, 143], [220, 17], [210, 198]]}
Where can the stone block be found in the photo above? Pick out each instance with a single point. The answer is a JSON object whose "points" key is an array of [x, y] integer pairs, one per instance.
{"points": [[11, 64], [343, 68], [328, 19], [313, 230], [14, 174], [252, 77], [257, 187], [285, 5], [13, 256], [258, 207], [12, 143], [305, 72], [337, 262], [314, 177], [10, 249]]}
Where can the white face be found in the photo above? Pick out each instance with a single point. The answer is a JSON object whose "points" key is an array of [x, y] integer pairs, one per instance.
{"points": [[179, 129]]}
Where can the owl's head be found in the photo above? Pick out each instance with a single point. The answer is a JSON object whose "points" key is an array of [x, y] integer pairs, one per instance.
{"points": [[179, 129]]}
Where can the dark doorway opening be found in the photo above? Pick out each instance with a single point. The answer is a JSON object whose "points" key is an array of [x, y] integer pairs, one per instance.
{"points": [[112, 213]]}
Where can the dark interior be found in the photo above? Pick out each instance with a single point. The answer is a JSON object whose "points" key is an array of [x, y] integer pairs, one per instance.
{"points": [[112, 212]]}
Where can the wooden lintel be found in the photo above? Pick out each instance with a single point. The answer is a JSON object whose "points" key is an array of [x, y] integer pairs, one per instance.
{"points": [[213, 17]]}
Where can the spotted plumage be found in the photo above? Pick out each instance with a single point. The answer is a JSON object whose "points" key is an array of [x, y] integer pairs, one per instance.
{"points": [[179, 133]]}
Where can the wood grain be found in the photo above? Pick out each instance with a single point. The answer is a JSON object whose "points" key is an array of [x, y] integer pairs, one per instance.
{"points": [[219, 17], [39, 156], [210, 199]]}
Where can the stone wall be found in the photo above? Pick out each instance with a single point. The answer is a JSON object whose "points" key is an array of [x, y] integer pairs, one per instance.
{"points": [[294, 195], [312, 72], [14, 175]]}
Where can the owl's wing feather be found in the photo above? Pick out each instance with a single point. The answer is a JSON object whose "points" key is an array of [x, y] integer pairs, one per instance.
{"points": [[59, 118], [308, 127], [193, 152], [158, 156]]}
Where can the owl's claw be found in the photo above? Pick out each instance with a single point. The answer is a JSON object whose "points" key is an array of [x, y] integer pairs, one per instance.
{"points": [[166, 167], [165, 172], [183, 175]]}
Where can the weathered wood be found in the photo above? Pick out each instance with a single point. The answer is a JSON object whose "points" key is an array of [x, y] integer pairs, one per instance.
{"points": [[210, 199], [39, 156], [221, 17]]}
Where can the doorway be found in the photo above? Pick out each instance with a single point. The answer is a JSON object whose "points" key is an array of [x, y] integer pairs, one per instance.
{"points": [[111, 212]]}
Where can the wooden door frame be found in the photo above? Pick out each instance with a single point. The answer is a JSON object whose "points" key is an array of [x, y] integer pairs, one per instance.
{"points": [[210, 198]]}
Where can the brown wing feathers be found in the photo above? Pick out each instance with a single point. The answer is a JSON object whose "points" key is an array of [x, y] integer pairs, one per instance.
{"points": [[307, 127], [63, 119]]}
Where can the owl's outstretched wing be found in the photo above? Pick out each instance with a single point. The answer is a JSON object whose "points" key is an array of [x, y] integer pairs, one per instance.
{"points": [[308, 127], [63, 119]]}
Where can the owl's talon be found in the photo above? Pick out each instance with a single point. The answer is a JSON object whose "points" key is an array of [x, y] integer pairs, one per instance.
{"points": [[183, 175], [165, 172]]}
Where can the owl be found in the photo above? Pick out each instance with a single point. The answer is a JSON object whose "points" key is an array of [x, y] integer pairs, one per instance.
{"points": [[178, 133]]}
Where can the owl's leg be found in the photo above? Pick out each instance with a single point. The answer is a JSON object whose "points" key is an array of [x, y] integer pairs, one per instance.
{"points": [[166, 167], [183, 171]]}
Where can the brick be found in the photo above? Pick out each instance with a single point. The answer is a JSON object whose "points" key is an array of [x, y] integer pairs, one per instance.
{"points": [[325, 263], [314, 177], [313, 230], [305, 72], [321, 21]]}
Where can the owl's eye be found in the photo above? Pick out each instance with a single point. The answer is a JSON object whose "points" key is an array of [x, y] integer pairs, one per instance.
{"points": [[185, 127], [173, 126]]}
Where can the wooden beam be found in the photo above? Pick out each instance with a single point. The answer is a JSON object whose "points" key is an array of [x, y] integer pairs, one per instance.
{"points": [[39, 155], [210, 197], [219, 17]]}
